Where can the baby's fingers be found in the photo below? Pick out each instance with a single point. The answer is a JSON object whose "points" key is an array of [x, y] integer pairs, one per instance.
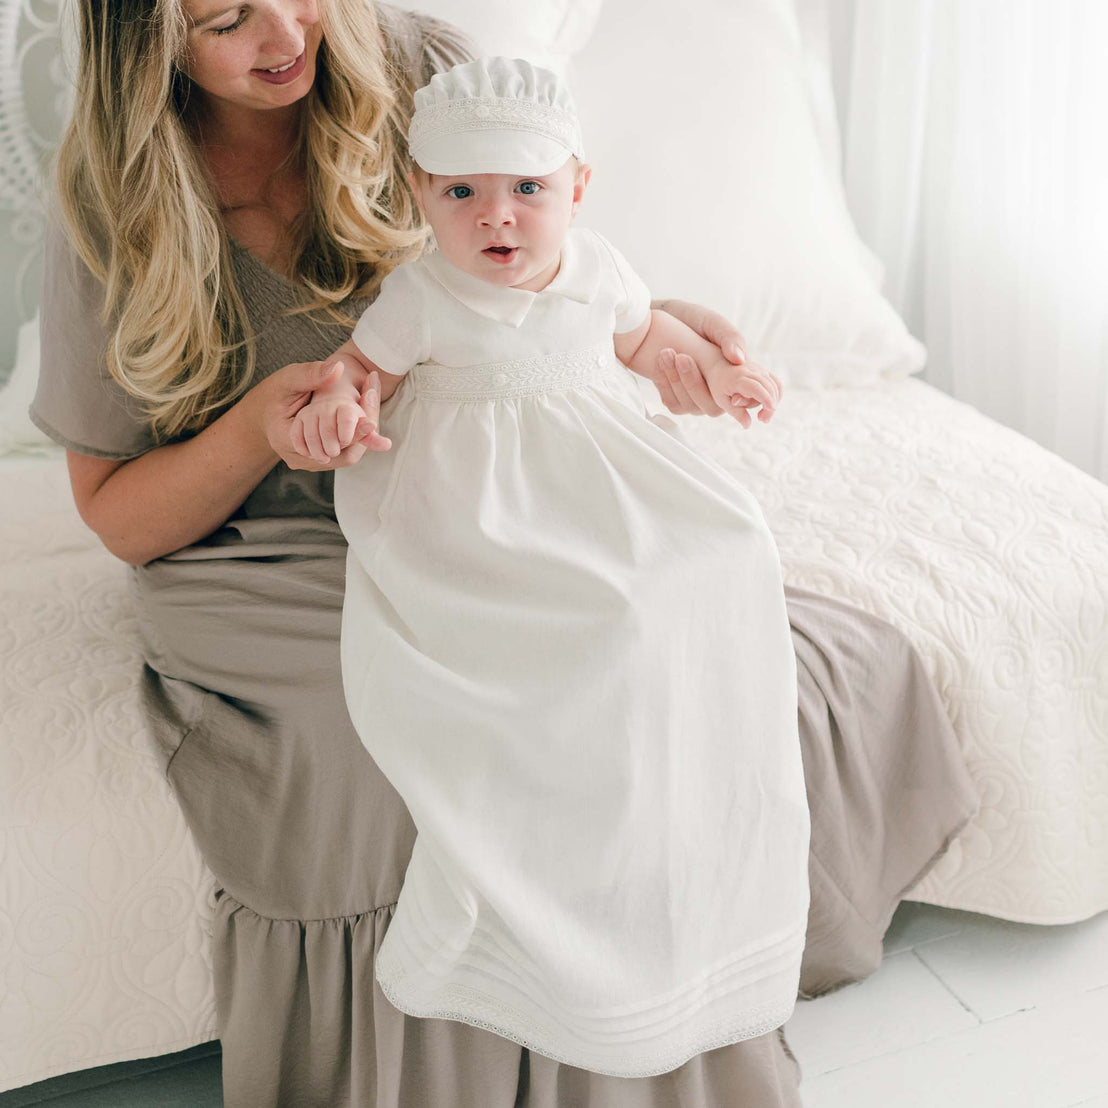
{"points": [[296, 435], [370, 401], [753, 389], [776, 388], [742, 415], [313, 442], [370, 398], [348, 422], [374, 440], [329, 435]]}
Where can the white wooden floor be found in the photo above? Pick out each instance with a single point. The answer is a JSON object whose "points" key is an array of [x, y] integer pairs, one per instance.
{"points": [[964, 1012]]}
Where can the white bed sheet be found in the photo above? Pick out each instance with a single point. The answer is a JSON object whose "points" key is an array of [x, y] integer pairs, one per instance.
{"points": [[989, 552]]}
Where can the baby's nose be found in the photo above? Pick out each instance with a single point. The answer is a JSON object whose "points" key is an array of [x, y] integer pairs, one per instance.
{"points": [[497, 214]]}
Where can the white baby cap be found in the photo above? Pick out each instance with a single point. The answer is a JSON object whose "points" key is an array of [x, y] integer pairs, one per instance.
{"points": [[494, 115]]}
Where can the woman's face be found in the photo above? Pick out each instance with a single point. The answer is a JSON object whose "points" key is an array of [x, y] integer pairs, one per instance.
{"points": [[259, 55]]}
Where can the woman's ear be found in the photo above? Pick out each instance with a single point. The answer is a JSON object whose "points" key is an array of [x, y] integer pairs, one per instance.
{"points": [[584, 174]]}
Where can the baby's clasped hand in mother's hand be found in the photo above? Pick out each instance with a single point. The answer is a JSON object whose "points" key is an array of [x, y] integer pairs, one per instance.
{"points": [[738, 389], [317, 439], [726, 387], [680, 384], [340, 414]]}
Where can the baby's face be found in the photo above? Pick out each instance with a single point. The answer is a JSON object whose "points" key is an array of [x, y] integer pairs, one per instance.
{"points": [[504, 229]]}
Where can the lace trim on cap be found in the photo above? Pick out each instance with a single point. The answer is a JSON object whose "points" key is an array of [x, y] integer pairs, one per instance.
{"points": [[502, 380], [490, 113]]}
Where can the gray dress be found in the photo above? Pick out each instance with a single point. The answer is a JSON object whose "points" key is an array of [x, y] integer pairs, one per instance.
{"points": [[309, 842]]}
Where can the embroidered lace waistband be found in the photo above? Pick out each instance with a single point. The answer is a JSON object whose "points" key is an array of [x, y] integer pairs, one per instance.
{"points": [[502, 380]]}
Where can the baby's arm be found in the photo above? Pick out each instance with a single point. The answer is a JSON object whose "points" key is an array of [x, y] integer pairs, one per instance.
{"points": [[345, 409], [735, 388]]}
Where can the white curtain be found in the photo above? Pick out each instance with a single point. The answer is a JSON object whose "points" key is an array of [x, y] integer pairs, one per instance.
{"points": [[975, 157]]}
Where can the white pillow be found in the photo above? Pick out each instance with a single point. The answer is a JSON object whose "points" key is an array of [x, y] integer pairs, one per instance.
{"points": [[545, 32], [709, 175], [17, 432]]}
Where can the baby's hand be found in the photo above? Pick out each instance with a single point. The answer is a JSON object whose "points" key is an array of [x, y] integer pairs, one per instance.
{"points": [[330, 423], [739, 388]]}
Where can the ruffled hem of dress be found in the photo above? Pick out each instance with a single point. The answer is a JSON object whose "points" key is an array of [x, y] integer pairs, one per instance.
{"points": [[305, 1025], [300, 1031]]}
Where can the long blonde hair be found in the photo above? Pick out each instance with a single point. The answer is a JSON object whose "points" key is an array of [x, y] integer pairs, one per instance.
{"points": [[140, 207]]}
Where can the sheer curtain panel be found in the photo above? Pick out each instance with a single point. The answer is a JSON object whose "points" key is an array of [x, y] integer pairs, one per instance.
{"points": [[975, 157]]}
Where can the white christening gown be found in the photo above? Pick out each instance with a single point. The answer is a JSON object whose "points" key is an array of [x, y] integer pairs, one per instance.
{"points": [[565, 643]]}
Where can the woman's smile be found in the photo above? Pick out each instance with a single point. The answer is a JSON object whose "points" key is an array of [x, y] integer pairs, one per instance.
{"points": [[232, 52], [285, 74]]}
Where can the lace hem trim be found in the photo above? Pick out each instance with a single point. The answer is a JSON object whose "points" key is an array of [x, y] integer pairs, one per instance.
{"points": [[758, 1021]]}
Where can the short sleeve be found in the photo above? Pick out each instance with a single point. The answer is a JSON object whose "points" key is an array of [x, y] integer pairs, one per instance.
{"points": [[634, 299], [77, 403], [391, 332]]}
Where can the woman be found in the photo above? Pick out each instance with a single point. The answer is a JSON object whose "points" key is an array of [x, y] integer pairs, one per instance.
{"points": [[232, 190]]}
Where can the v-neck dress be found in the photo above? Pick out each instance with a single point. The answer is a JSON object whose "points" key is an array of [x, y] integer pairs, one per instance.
{"points": [[308, 840], [611, 865]]}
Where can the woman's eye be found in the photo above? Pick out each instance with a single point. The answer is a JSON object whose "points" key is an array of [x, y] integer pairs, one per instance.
{"points": [[459, 192], [529, 188], [231, 26]]}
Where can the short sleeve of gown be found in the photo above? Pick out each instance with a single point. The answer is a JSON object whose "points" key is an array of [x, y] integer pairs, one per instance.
{"points": [[390, 332], [77, 403], [634, 301]]}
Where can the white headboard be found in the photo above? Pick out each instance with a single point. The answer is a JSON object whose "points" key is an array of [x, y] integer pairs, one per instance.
{"points": [[35, 95]]}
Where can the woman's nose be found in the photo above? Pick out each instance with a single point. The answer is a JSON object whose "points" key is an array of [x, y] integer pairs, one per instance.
{"points": [[288, 21]]}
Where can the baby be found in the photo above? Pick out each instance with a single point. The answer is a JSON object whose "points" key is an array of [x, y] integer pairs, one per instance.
{"points": [[508, 231], [564, 636]]}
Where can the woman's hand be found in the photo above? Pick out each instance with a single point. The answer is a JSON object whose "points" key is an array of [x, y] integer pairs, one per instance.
{"points": [[680, 383], [281, 396]]}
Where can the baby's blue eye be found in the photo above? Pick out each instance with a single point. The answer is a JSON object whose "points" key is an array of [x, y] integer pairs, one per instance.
{"points": [[459, 192], [529, 188]]}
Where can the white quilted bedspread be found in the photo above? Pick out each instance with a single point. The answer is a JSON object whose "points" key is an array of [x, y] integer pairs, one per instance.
{"points": [[105, 901], [989, 552]]}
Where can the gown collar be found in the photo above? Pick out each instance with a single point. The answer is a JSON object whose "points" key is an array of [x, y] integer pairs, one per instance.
{"points": [[578, 278]]}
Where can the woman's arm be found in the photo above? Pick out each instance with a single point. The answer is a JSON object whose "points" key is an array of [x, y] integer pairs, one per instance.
{"points": [[174, 495], [718, 330], [679, 382], [734, 388]]}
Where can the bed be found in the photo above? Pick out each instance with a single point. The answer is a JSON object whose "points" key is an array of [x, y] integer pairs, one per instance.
{"points": [[988, 552]]}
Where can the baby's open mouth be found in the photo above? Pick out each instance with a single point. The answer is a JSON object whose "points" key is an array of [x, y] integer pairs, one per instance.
{"points": [[500, 253]]}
